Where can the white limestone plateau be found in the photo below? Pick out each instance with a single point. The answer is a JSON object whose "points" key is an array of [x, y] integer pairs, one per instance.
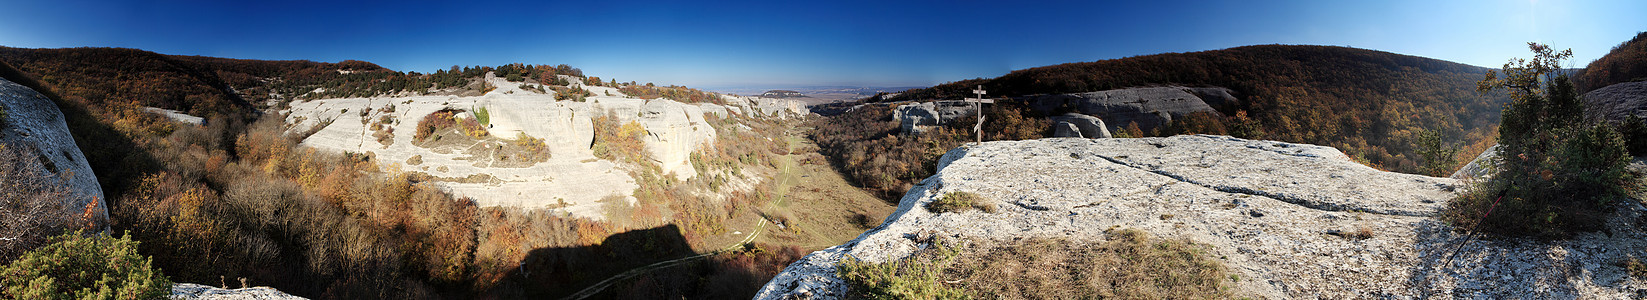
{"points": [[1274, 213], [572, 180]]}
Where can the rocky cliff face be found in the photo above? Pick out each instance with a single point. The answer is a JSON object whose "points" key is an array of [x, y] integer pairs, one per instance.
{"points": [[1150, 107], [31, 125], [1615, 102], [1275, 214], [919, 117], [572, 179]]}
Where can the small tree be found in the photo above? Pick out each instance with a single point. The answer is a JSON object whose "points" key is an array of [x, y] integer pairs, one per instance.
{"points": [[1556, 173], [1436, 152], [76, 266]]}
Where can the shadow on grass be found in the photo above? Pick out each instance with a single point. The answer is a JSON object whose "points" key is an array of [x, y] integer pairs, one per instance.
{"points": [[552, 273]]}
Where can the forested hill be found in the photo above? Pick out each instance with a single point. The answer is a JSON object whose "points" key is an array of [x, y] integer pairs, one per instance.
{"points": [[116, 78], [1626, 62], [1372, 104]]}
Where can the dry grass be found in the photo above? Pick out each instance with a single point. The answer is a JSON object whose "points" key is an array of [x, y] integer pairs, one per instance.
{"points": [[1635, 267], [1131, 265], [960, 202]]}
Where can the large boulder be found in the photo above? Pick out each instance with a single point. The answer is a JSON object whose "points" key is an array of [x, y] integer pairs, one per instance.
{"points": [[1274, 213], [1150, 107], [33, 129], [1617, 101], [918, 117], [1481, 167], [1084, 125]]}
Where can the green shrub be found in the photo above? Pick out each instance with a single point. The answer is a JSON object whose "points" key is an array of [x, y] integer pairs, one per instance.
{"points": [[1633, 129], [1556, 173], [959, 202], [75, 266], [484, 116], [914, 277]]}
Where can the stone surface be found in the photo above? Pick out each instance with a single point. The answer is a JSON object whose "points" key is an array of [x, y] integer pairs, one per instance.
{"points": [[1066, 129], [1084, 125], [918, 117], [573, 180], [190, 291], [1481, 167], [1273, 212], [1151, 107], [1617, 101], [176, 116], [33, 125]]}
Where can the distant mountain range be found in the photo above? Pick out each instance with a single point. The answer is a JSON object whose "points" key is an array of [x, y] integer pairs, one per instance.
{"points": [[818, 94]]}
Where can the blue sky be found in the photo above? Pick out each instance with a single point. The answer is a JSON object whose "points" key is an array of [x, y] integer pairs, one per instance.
{"points": [[779, 43]]}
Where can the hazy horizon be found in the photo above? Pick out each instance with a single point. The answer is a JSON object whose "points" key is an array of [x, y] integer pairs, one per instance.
{"points": [[853, 43]]}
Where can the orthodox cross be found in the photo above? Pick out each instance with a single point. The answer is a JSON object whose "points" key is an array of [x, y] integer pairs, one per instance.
{"points": [[977, 105]]}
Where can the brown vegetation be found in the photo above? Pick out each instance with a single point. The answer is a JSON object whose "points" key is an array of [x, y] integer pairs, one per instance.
{"points": [[32, 206], [1626, 62], [960, 202], [239, 200], [677, 93], [867, 148], [1130, 265]]}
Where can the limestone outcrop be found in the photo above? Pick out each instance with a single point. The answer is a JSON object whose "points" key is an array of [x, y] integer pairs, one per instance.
{"points": [[1150, 107], [1274, 213], [918, 117], [190, 291], [1079, 125], [1617, 101], [31, 125], [572, 179], [1481, 167]]}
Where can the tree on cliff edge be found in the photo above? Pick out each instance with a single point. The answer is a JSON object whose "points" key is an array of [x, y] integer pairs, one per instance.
{"points": [[1556, 174]]}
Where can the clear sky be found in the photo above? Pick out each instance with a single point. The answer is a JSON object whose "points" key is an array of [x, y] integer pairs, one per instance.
{"points": [[832, 42]]}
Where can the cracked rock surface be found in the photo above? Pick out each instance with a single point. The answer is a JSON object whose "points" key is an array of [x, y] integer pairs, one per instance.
{"points": [[1274, 213]]}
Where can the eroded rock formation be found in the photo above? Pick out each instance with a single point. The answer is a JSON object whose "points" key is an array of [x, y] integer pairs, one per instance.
{"points": [[1617, 101], [572, 179], [1150, 107]]}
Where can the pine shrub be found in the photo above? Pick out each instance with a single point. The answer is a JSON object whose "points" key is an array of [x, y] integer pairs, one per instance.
{"points": [[1556, 174], [78, 266]]}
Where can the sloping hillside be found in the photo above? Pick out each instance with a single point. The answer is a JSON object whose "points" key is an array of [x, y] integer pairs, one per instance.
{"points": [[1372, 104], [1626, 62]]}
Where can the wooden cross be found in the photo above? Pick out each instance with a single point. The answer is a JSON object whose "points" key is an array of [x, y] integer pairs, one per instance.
{"points": [[977, 105]]}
